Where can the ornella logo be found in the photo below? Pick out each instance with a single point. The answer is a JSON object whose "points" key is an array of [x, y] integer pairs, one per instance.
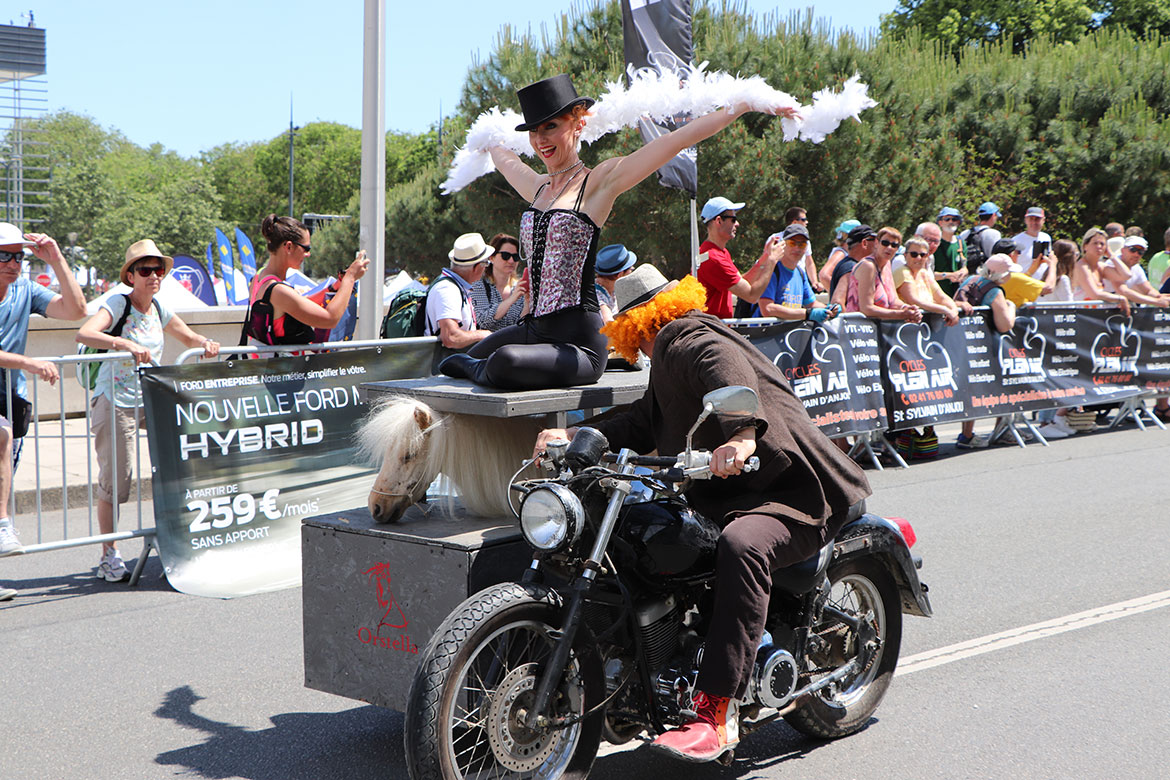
{"points": [[824, 374], [1023, 363], [918, 365], [1116, 349], [392, 620]]}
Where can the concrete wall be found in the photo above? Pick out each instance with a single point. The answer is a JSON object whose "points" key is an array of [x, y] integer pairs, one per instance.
{"points": [[53, 338]]}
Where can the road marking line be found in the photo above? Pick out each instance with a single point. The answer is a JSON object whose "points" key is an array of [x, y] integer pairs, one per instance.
{"points": [[1016, 636]]}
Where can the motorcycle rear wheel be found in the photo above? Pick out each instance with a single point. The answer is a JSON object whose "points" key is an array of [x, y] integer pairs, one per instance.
{"points": [[858, 586], [465, 712]]}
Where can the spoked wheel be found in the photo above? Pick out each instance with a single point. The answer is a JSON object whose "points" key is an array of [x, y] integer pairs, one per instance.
{"points": [[865, 590], [467, 716]]}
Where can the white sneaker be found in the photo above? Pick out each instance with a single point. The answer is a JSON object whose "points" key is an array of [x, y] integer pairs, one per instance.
{"points": [[1054, 431], [9, 544], [112, 568]]}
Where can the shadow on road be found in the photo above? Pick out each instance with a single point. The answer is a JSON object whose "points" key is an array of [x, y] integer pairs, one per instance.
{"points": [[364, 742], [43, 590]]}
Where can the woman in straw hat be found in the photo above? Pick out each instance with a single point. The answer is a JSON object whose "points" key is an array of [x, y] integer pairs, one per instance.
{"points": [[801, 495], [559, 343], [134, 323]]}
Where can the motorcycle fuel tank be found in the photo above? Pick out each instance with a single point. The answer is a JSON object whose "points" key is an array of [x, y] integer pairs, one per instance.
{"points": [[669, 539]]}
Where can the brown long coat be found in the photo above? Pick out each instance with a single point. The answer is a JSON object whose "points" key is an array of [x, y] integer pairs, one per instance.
{"points": [[803, 476]]}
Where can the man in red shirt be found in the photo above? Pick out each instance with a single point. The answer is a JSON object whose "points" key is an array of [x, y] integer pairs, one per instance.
{"points": [[717, 272]]}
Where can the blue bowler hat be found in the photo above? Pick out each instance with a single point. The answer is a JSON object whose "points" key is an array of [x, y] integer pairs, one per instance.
{"points": [[947, 211], [614, 259], [987, 209]]}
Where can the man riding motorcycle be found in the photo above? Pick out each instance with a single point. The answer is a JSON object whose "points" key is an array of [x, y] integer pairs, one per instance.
{"points": [[777, 516]]}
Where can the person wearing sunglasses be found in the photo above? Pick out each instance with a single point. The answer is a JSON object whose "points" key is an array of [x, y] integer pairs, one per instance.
{"points": [[115, 411], [19, 299], [501, 297], [916, 285], [1126, 276], [871, 284], [718, 272], [277, 313], [789, 294]]}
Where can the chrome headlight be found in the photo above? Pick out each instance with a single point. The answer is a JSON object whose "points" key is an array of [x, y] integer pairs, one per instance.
{"points": [[551, 518]]}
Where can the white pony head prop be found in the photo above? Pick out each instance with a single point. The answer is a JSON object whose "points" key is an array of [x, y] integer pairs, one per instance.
{"points": [[415, 443]]}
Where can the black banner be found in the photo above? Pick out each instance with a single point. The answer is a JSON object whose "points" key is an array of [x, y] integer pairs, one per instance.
{"points": [[857, 375], [656, 34], [833, 368], [243, 450]]}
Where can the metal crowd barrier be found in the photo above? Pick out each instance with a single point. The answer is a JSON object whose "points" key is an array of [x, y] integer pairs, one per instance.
{"points": [[53, 438]]}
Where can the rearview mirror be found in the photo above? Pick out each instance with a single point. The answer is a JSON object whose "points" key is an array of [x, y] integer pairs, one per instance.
{"points": [[735, 400]]}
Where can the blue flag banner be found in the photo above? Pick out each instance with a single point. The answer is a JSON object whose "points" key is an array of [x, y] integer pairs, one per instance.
{"points": [[189, 273], [210, 263], [227, 267], [247, 255]]}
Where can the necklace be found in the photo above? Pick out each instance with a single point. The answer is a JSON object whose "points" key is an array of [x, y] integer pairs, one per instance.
{"points": [[564, 187], [577, 164]]}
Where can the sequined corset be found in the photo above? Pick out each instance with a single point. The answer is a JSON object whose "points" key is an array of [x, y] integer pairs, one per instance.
{"points": [[560, 247]]}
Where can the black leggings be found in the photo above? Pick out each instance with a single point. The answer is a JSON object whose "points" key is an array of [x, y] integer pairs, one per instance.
{"points": [[557, 350]]}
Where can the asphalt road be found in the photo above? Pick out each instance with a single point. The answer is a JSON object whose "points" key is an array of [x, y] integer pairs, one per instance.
{"points": [[101, 680]]}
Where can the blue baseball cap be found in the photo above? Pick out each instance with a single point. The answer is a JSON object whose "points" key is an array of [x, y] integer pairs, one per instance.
{"points": [[614, 259], [844, 228], [717, 206], [947, 211], [987, 209]]}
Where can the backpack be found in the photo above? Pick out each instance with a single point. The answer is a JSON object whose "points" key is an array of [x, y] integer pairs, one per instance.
{"points": [[407, 315], [87, 373], [975, 254]]}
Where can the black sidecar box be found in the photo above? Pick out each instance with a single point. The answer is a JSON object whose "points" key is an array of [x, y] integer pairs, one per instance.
{"points": [[374, 594]]}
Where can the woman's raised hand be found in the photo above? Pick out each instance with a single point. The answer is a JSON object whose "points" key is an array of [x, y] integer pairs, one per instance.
{"points": [[359, 266]]}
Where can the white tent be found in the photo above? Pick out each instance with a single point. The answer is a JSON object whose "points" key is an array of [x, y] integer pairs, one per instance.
{"points": [[171, 294]]}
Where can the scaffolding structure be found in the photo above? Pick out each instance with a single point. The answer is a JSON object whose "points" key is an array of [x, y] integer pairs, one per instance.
{"points": [[24, 97]]}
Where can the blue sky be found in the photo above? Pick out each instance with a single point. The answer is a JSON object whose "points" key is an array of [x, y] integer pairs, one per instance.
{"points": [[192, 75]]}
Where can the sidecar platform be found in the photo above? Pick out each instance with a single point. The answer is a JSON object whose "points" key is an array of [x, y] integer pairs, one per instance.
{"points": [[372, 595]]}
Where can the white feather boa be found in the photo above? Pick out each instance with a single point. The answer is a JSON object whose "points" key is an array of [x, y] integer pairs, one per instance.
{"points": [[658, 97]]}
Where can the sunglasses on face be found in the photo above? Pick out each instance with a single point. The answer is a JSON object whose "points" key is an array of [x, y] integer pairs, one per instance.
{"points": [[306, 247], [507, 255], [732, 217], [916, 254], [8, 257], [797, 241], [801, 219], [147, 270], [950, 219], [891, 244]]}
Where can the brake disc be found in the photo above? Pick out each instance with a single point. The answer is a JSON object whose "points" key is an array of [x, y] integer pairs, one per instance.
{"points": [[517, 747]]}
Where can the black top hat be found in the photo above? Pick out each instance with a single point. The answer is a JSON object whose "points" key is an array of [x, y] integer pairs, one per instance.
{"points": [[548, 98]]}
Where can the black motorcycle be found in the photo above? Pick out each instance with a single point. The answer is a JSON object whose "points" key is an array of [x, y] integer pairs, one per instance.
{"points": [[602, 636]]}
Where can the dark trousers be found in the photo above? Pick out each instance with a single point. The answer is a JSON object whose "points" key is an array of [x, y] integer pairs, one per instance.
{"points": [[557, 350], [750, 548]]}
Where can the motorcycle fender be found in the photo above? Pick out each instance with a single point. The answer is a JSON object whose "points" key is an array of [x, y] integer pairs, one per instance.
{"points": [[871, 535]]}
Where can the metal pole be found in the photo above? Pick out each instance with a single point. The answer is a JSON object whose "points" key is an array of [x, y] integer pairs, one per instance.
{"points": [[694, 240], [290, 157], [372, 231]]}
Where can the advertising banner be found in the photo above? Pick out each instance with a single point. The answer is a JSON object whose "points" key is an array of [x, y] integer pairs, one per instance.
{"points": [[833, 368], [243, 450]]}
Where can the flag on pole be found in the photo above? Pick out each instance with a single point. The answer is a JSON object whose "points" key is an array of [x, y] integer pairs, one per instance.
{"points": [[210, 263], [227, 267], [247, 255], [656, 34]]}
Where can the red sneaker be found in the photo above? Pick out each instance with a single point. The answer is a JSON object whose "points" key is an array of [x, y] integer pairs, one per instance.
{"points": [[713, 733]]}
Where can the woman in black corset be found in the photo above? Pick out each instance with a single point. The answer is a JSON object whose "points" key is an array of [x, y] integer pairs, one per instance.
{"points": [[559, 343]]}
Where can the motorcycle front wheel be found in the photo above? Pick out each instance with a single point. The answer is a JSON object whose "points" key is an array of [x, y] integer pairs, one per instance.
{"points": [[860, 588], [466, 713]]}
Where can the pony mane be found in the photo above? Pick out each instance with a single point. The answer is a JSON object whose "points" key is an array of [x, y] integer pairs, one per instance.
{"points": [[479, 454]]}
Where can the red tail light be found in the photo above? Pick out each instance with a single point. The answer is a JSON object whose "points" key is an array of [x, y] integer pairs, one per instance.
{"points": [[906, 529]]}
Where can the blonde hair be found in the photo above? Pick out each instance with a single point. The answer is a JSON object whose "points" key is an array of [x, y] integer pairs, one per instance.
{"points": [[642, 323]]}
